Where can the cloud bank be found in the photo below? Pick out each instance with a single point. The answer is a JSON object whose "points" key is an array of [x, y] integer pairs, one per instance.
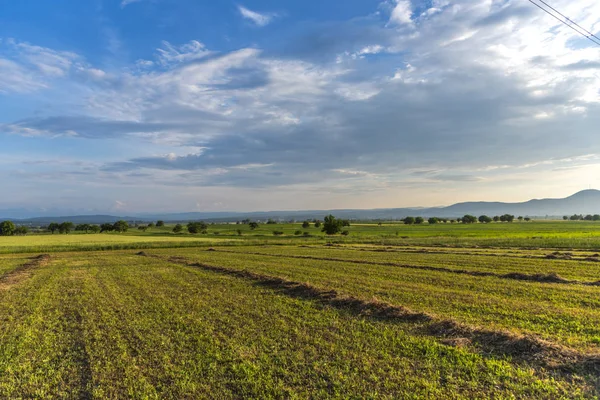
{"points": [[425, 101]]}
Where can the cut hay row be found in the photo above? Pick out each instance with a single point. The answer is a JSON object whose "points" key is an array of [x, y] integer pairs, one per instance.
{"points": [[522, 348], [17, 275], [541, 278]]}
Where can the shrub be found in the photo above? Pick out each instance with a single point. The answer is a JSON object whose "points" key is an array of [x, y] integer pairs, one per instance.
{"points": [[197, 227], [7, 228], [277, 233], [331, 226], [21, 230], [345, 233], [298, 233]]}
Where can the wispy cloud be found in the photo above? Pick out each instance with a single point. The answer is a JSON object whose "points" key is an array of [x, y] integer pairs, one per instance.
{"points": [[260, 19], [125, 3]]}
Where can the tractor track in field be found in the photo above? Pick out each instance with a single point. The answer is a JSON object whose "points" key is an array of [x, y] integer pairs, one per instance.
{"points": [[530, 349], [21, 273], [540, 278]]}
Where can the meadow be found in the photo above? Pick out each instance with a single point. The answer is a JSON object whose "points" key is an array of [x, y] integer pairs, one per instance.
{"points": [[389, 311]]}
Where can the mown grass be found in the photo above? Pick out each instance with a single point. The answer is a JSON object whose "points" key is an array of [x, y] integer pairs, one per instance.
{"points": [[566, 314], [116, 325], [10, 262], [97, 321], [524, 262]]}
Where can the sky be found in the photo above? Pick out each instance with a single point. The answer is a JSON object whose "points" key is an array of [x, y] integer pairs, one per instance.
{"points": [[128, 106]]}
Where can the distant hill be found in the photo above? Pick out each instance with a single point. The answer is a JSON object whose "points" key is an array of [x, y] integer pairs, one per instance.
{"points": [[584, 202]]}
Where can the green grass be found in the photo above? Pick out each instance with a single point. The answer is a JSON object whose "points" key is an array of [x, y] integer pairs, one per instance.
{"points": [[538, 234], [54, 243], [105, 325], [526, 262], [11, 262], [98, 321], [567, 314]]}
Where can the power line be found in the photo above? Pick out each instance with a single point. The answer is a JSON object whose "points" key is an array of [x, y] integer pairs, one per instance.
{"points": [[583, 32], [589, 34]]}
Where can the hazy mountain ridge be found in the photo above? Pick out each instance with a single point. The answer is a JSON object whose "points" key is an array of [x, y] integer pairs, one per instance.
{"points": [[584, 202]]}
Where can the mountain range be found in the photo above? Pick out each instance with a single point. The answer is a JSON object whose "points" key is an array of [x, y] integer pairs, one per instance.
{"points": [[584, 202]]}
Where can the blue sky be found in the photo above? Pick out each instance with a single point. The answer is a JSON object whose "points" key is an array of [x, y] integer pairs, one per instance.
{"points": [[179, 105]]}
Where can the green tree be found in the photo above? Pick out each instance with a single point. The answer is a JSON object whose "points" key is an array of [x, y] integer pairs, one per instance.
{"points": [[197, 227], [496, 218], [94, 228], [419, 220], [331, 226], [178, 228], [106, 227], [271, 222], [317, 224], [589, 217], [565, 218], [160, 223], [121, 226], [484, 219], [253, 225], [83, 228], [7, 228], [66, 227], [433, 221], [409, 220], [469, 219], [507, 218], [596, 217], [21, 230], [306, 224], [527, 219], [53, 227]]}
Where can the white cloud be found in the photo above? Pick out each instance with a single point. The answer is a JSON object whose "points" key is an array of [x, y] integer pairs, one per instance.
{"points": [[125, 3], [478, 89], [257, 18], [401, 13], [170, 54]]}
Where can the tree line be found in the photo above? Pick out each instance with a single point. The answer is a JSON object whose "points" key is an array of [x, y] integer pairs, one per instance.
{"points": [[467, 219], [580, 217]]}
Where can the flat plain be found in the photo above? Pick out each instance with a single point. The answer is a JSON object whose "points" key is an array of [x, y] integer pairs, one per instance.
{"points": [[389, 311]]}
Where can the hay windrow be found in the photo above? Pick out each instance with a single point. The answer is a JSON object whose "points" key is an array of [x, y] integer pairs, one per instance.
{"points": [[23, 272], [540, 278], [521, 348]]}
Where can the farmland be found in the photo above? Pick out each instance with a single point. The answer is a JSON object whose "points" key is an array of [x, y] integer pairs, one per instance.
{"points": [[389, 311]]}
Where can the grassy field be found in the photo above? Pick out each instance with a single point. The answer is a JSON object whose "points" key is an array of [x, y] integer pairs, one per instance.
{"points": [[158, 315]]}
